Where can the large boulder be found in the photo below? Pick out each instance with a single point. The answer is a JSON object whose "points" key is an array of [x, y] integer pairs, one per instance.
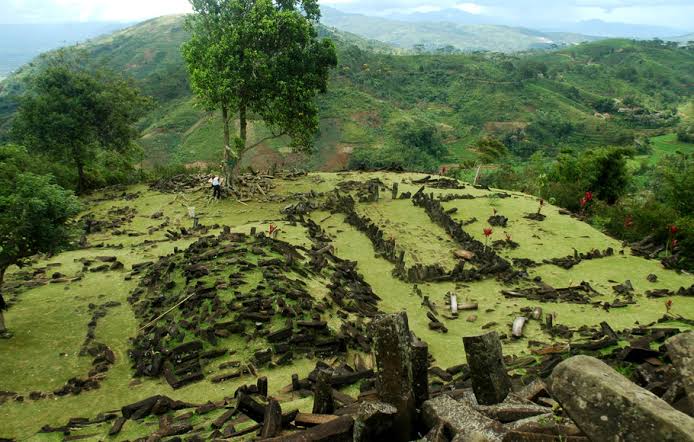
{"points": [[606, 406], [680, 348], [461, 419]]}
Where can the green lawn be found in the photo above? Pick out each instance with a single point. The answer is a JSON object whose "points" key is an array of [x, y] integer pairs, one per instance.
{"points": [[50, 322]]}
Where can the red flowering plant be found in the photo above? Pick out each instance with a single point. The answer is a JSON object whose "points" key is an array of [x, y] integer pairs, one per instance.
{"points": [[671, 240], [668, 305], [587, 198], [487, 233], [273, 230]]}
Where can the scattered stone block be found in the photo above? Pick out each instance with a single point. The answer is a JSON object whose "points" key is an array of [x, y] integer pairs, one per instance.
{"points": [[607, 406], [374, 421], [463, 420], [337, 430]]}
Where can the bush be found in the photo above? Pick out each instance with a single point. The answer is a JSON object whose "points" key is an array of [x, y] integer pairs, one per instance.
{"points": [[685, 134], [392, 158], [674, 183], [420, 149]]}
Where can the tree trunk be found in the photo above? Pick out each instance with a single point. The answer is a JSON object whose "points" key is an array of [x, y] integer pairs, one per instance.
{"points": [[80, 177], [243, 133], [3, 329], [243, 126], [227, 147]]}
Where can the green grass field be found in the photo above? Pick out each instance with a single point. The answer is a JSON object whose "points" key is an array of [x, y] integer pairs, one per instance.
{"points": [[49, 322]]}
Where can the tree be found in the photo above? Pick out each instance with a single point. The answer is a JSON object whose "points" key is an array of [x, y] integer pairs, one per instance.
{"points": [[261, 57], [491, 149], [72, 110], [33, 214]]}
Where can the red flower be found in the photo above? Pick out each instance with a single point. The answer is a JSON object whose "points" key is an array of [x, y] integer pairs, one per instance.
{"points": [[273, 228], [589, 196], [488, 232], [674, 229], [668, 304], [584, 203]]}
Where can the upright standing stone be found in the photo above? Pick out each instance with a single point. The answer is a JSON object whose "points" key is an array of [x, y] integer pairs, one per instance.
{"points": [[395, 191], [272, 422], [680, 348], [607, 406], [323, 401], [490, 382], [420, 371], [262, 386], [392, 346]]}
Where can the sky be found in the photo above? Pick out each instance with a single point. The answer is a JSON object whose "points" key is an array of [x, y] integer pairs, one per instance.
{"points": [[671, 13]]}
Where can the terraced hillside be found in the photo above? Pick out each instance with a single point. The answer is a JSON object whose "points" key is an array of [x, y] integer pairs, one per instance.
{"points": [[147, 304], [594, 94]]}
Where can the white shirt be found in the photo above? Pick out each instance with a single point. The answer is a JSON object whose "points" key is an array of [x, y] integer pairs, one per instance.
{"points": [[215, 181]]}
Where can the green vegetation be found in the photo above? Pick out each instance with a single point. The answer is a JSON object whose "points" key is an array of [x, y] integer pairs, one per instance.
{"points": [[580, 97], [33, 214], [417, 145], [589, 131], [45, 352], [632, 205], [75, 114], [261, 58]]}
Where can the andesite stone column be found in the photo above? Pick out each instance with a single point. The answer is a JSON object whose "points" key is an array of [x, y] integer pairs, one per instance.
{"points": [[392, 347], [490, 381]]}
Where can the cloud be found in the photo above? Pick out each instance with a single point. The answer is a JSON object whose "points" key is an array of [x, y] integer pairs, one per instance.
{"points": [[31, 11], [471, 8]]}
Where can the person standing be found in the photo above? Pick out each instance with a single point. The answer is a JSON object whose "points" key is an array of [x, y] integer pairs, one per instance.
{"points": [[216, 188]]}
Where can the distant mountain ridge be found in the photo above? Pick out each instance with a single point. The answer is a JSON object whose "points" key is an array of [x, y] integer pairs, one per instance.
{"points": [[431, 35], [20, 43], [546, 100], [598, 28]]}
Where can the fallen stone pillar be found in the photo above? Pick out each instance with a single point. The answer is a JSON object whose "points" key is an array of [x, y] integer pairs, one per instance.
{"points": [[466, 423], [490, 382], [337, 430], [607, 406]]}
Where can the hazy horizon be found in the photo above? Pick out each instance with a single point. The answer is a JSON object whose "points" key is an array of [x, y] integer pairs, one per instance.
{"points": [[674, 14]]}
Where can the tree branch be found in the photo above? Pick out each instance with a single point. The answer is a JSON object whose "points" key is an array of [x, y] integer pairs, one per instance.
{"points": [[270, 137]]}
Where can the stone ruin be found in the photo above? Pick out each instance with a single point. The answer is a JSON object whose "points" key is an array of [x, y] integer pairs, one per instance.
{"points": [[191, 307], [405, 397]]}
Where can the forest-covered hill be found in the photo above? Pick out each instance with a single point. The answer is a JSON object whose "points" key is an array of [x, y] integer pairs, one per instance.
{"points": [[600, 93]]}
